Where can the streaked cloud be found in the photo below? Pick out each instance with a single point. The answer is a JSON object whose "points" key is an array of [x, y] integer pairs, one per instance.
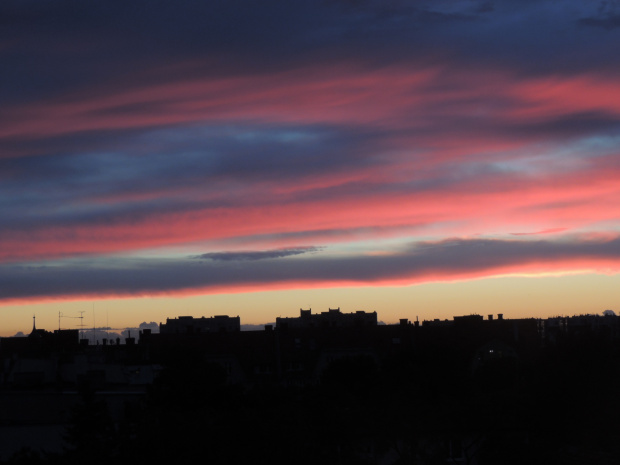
{"points": [[135, 134], [256, 254], [607, 16], [450, 259]]}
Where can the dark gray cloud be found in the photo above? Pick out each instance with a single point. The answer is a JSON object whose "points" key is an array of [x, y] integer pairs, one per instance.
{"points": [[573, 125], [607, 22], [50, 48], [173, 170], [202, 153], [607, 16], [256, 255], [447, 259], [485, 6]]}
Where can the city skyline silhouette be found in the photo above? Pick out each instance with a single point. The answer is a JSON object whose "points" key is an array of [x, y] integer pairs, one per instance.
{"points": [[161, 161], [349, 232]]}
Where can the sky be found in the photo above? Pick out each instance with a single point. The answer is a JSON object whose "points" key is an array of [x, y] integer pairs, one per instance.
{"points": [[415, 158]]}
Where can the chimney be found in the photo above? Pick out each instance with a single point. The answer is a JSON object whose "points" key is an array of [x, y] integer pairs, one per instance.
{"points": [[500, 316], [490, 317]]}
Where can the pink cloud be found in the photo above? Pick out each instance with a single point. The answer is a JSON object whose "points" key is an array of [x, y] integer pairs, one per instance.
{"points": [[448, 260], [438, 115], [493, 204], [394, 97], [537, 233]]}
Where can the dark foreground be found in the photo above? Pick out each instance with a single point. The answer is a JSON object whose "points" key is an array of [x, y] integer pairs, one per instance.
{"points": [[436, 402]]}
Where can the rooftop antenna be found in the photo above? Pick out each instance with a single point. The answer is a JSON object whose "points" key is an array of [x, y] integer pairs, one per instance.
{"points": [[81, 325], [62, 315], [94, 327]]}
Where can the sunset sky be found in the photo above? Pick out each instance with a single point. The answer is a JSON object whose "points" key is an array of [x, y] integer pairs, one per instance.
{"points": [[415, 158]]}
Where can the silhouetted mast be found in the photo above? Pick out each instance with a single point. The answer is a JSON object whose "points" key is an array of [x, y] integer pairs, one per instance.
{"points": [[94, 327], [81, 325]]}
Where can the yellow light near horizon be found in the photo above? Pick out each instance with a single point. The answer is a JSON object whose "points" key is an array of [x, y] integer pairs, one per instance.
{"points": [[514, 296]]}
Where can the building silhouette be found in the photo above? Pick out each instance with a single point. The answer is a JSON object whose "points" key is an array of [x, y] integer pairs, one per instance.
{"points": [[191, 325], [333, 318]]}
